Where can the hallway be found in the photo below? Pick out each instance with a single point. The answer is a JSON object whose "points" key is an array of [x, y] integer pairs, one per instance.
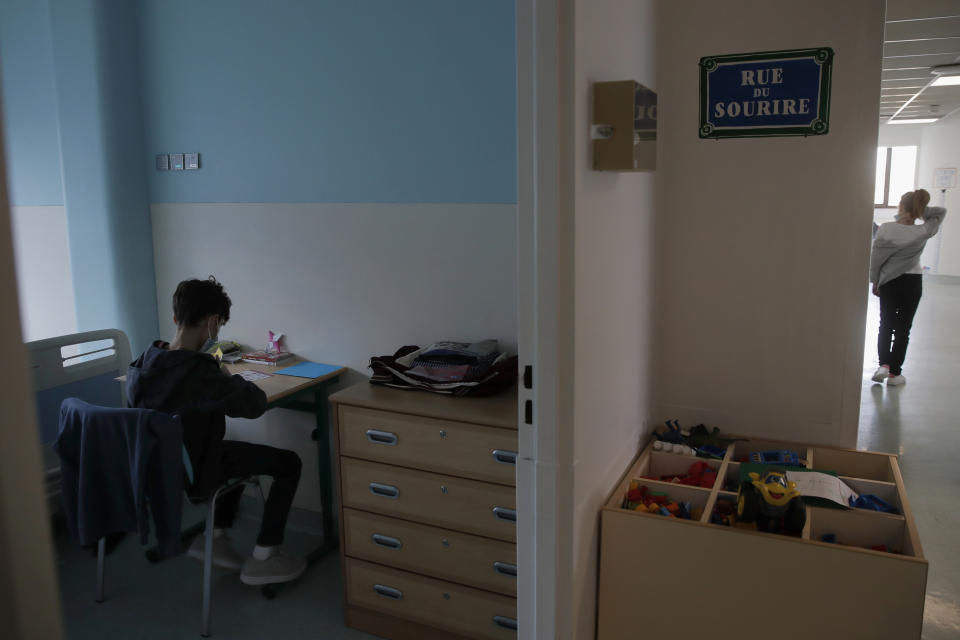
{"points": [[920, 422]]}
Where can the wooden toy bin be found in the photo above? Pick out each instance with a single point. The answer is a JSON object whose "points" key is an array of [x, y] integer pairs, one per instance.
{"points": [[663, 578]]}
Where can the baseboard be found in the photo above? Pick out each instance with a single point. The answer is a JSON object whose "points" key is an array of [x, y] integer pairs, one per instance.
{"points": [[938, 278]]}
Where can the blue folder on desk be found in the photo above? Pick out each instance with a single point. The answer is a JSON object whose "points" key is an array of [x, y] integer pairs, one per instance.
{"points": [[308, 369]]}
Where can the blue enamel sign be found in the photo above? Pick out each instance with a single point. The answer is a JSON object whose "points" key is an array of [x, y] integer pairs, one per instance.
{"points": [[771, 93]]}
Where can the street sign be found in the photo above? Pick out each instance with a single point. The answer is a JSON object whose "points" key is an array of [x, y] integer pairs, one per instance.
{"points": [[769, 93]]}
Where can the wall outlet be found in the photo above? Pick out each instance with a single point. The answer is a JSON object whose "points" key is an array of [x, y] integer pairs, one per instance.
{"points": [[176, 161], [191, 161], [163, 162]]}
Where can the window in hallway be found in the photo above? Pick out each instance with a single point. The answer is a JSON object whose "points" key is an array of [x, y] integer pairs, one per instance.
{"points": [[896, 174]]}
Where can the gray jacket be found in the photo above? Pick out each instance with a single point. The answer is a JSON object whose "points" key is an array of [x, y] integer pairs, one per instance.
{"points": [[891, 259]]}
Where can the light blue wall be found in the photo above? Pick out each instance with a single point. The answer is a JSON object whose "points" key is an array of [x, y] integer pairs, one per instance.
{"points": [[95, 53], [332, 101], [29, 104]]}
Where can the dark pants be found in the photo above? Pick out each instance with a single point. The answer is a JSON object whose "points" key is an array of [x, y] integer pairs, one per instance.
{"points": [[898, 303], [247, 459]]}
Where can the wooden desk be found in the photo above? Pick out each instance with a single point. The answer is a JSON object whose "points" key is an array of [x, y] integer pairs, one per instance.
{"points": [[308, 395]]}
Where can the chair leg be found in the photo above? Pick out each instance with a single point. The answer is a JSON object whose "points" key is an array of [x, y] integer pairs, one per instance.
{"points": [[101, 555], [208, 569]]}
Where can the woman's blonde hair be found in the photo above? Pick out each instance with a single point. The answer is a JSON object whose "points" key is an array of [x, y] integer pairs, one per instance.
{"points": [[914, 202]]}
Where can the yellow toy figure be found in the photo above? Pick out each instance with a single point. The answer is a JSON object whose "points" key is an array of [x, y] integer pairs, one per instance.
{"points": [[772, 501]]}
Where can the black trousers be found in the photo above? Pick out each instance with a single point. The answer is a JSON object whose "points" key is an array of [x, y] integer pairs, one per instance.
{"points": [[248, 459], [899, 299]]}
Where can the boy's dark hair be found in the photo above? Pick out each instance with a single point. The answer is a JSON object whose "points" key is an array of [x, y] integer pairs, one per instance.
{"points": [[196, 299]]}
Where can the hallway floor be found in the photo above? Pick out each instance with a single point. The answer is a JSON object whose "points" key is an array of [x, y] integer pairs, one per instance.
{"points": [[921, 422]]}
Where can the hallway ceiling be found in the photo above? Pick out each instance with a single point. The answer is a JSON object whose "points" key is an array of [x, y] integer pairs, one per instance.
{"points": [[919, 34]]}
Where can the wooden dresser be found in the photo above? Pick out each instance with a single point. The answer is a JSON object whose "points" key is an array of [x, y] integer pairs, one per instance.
{"points": [[427, 513]]}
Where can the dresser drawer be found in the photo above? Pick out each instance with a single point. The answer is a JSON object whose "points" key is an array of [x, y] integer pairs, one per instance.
{"points": [[459, 609], [455, 503], [468, 450], [441, 553]]}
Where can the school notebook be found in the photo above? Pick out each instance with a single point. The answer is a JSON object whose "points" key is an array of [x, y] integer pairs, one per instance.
{"points": [[308, 369]]}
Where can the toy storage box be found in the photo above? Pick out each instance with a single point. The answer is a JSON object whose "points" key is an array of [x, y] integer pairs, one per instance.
{"points": [[665, 577]]}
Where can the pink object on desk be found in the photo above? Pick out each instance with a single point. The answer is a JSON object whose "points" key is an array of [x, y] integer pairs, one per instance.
{"points": [[273, 344]]}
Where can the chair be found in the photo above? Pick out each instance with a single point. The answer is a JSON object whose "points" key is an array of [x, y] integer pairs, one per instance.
{"points": [[230, 485], [154, 554]]}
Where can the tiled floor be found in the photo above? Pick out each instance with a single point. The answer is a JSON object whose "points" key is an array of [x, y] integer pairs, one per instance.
{"points": [[921, 422], [163, 601]]}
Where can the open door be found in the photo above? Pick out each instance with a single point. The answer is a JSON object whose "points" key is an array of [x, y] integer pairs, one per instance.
{"points": [[30, 606]]}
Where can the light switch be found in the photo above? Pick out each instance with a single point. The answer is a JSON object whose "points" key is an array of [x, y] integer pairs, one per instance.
{"points": [[191, 160], [176, 161], [163, 162]]}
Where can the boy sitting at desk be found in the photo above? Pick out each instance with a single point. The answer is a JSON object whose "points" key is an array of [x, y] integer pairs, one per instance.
{"points": [[180, 378]]}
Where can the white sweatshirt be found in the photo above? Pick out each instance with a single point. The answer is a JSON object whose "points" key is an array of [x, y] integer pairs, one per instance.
{"points": [[897, 247]]}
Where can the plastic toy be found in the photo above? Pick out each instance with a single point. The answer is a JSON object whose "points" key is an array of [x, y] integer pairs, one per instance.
{"points": [[722, 513], [640, 498], [710, 451], [772, 501], [870, 501], [698, 475], [781, 456], [672, 434]]}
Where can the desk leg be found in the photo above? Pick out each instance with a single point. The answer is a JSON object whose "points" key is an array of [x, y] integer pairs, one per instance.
{"points": [[322, 436]]}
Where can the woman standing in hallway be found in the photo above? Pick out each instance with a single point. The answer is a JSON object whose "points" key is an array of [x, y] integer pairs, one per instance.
{"points": [[896, 275]]}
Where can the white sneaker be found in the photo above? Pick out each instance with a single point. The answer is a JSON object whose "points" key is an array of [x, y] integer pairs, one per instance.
{"points": [[224, 555], [896, 381], [881, 374], [279, 567]]}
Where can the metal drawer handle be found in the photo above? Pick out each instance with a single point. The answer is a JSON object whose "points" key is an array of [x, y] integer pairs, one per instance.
{"points": [[505, 622], [386, 541], [502, 513], [382, 437], [384, 490], [505, 569], [389, 592], [505, 457]]}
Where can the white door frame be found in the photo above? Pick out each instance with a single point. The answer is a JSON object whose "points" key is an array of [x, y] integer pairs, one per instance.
{"points": [[545, 316]]}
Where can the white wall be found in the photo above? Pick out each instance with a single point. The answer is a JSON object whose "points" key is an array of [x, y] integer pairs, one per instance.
{"points": [[615, 40], [900, 135], [763, 244], [44, 280], [344, 282], [940, 147]]}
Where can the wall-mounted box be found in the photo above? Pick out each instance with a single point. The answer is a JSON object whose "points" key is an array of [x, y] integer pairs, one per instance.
{"points": [[625, 126]]}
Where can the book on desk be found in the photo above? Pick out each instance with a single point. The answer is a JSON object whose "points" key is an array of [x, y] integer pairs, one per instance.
{"points": [[272, 358]]}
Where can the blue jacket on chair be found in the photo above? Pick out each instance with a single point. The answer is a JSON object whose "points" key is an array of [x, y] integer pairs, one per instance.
{"points": [[115, 461]]}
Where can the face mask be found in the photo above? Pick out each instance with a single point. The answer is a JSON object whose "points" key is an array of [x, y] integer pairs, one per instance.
{"points": [[210, 344]]}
